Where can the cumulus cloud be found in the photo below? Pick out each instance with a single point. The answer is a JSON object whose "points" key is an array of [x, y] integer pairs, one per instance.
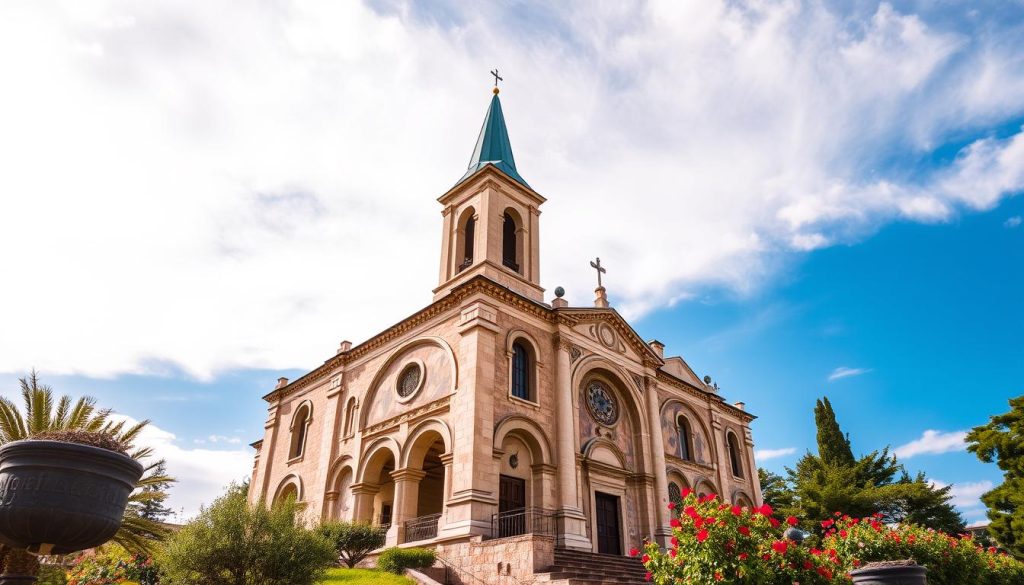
{"points": [[1012, 222], [845, 372], [933, 443], [202, 473], [764, 454], [205, 186], [966, 496]]}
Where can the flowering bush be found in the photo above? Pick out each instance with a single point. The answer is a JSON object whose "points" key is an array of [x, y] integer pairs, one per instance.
{"points": [[715, 543], [111, 566], [950, 560]]}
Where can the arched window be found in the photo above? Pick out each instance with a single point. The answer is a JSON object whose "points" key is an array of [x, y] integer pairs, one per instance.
{"points": [[350, 414], [299, 428], [521, 371], [675, 495], [685, 438], [508, 243], [469, 236], [734, 455]]}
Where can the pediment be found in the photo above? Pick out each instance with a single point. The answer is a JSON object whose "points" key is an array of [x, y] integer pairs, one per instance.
{"points": [[678, 367], [606, 328]]}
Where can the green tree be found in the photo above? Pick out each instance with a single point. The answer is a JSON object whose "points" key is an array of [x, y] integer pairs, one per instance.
{"points": [[42, 413], [1002, 441], [233, 542], [774, 490], [150, 505], [834, 480], [352, 540]]}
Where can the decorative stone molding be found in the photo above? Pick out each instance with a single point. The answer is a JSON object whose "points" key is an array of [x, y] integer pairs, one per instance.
{"points": [[395, 421]]}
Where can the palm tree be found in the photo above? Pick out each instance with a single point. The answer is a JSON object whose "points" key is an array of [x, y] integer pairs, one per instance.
{"points": [[43, 414]]}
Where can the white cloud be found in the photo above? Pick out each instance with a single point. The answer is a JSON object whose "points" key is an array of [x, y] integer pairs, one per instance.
{"points": [[201, 473], [966, 496], [1012, 222], [764, 454], [845, 372], [933, 443], [205, 186]]}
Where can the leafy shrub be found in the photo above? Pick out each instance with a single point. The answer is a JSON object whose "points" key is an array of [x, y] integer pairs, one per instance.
{"points": [[233, 542], [352, 541], [715, 543], [110, 565], [397, 560], [950, 560], [51, 575]]}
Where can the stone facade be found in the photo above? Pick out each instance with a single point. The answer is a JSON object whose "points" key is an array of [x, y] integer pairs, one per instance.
{"points": [[490, 400]]}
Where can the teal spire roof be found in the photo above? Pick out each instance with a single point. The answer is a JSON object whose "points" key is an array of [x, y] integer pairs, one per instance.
{"points": [[493, 146]]}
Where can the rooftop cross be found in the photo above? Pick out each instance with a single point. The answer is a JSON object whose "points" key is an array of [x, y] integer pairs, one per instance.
{"points": [[600, 270], [497, 78]]}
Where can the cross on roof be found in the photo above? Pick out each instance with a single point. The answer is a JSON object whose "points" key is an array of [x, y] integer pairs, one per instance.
{"points": [[600, 270], [497, 78]]}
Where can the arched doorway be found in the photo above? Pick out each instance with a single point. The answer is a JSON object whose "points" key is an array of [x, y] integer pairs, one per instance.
{"points": [[421, 485], [375, 495]]}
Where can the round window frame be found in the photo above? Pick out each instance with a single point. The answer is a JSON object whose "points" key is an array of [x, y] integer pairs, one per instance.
{"points": [[419, 386], [611, 395]]}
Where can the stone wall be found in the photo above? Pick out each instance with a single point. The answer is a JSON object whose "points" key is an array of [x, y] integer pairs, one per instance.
{"points": [[502, 561]]}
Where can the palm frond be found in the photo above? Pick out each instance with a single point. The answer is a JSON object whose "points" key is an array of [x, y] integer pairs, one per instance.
{"points": [[60, 418], [12, 424]]}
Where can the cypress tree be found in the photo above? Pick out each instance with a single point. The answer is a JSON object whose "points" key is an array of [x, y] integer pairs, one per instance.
{"points": [[833, 445]]}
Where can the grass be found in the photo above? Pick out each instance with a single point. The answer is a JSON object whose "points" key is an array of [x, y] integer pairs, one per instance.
{"points": [[364, 577]]}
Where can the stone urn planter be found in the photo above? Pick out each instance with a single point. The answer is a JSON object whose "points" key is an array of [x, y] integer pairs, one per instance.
{"points": [[890, 573], [58, 497]]}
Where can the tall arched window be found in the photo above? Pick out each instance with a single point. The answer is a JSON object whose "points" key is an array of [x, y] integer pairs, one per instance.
{"points": [[521, 371], [470, 237], [508, 243], [350, 415], [734, 455], [685, 438], [299, 428], [675, 495]]}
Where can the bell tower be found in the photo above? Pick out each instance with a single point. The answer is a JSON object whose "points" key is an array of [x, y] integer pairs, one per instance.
{"points": [[492, 218]]}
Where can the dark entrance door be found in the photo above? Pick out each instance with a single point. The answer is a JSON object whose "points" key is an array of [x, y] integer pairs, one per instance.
{"points": [[511, 506], [607, 513]]}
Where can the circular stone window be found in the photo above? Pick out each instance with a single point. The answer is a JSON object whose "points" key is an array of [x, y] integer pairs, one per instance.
{"points": [[602, 403], [409, 380]]}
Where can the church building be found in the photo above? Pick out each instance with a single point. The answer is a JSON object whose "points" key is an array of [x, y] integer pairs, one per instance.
{"points": [[499, 413]]}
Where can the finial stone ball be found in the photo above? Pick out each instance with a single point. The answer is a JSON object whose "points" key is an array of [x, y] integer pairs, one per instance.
{"points": [[559, 292], [496, 91]]}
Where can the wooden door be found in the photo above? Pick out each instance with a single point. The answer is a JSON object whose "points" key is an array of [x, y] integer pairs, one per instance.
{"points": [[511, 506], [607, 515]]}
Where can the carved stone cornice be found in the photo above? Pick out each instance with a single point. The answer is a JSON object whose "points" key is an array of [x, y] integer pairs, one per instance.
{"points": [[687, 464], [709, 397], [426, 409]]}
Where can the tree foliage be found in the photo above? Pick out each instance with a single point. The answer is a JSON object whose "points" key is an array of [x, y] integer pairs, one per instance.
{"points": [[774, 490], [1002, 441], [232, 542], [352, 540], [834, 479]]}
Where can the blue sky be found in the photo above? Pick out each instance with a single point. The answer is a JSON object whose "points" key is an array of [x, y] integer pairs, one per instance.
{"points": [[783, 193]]}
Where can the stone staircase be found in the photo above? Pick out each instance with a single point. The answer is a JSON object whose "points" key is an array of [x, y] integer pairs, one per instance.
{"points": [[573, 567]]}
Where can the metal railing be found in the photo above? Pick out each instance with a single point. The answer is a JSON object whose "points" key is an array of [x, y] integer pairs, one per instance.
{"points": [[422, 528], [523, 521]]}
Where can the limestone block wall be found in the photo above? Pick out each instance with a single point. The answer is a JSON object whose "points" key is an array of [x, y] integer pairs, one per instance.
{"points": [[503, 561]]}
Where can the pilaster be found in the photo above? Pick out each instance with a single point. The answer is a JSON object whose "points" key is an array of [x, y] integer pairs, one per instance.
{"points": [[661, 530], [572, 522]]}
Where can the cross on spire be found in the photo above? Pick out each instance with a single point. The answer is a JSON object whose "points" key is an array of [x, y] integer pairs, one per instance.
{"points": [[600, 270], [497, 77]]}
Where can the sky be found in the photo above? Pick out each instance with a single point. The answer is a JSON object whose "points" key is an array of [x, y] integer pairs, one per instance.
{"points": [[801, 198]]}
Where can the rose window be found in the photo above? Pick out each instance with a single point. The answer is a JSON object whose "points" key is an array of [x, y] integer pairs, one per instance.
{"points": [[602, 403], [409, 380]]}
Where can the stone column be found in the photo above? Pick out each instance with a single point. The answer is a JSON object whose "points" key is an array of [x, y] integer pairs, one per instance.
{"points": [[407, 492], [328, 442], [721, 453], [331, 506], [362, 505], [473, 477], [755, 483], [266, 455], [661, 530], [571, 521]]}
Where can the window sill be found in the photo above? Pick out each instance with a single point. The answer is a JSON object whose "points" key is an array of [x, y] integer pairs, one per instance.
{"points": [[295, 459], [525, 402]]}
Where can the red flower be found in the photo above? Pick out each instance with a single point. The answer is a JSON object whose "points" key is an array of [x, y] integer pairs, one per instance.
{"points": [[702, 536], [736, 510], [744, 530], [674, 541], [709, 521], [843, 533], [718, 576], [837, 514], [698, 522], [792, 521], [690, 511], [780, 546], [672, 552], [671, 505], [645, 559], [686, 492], [647, 577], [765, 510], [674, 523], [826, 523], [808, 565], [773, 522], [816, 552], [742, 556], [633, 552]]}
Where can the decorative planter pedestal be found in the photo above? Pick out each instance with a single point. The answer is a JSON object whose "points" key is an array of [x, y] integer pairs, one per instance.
{"points": [[888, 573], [58, 497]]}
